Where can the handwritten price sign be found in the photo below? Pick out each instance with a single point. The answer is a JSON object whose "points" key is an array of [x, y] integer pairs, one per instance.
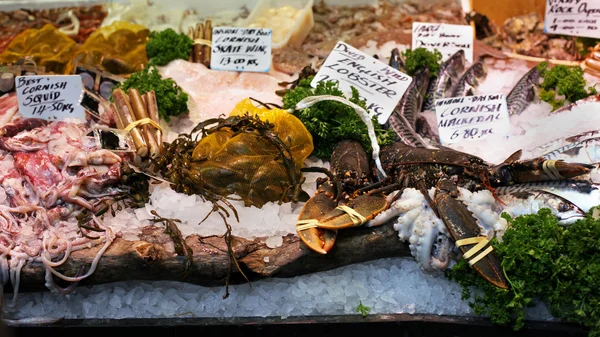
{"points": [[446, 38], [379, 84], [471, 118], [50, 97], [573, 17], [241, 49]]}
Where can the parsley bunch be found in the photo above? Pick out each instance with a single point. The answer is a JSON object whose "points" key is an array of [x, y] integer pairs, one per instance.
{"points": [[564, 81], [330, 122], [542, 261], [422, 58], [166, 46], [170, 98]]}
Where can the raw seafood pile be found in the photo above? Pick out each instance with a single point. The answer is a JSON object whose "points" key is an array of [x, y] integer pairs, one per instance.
{"points": [[445, 203], [51, 172]]}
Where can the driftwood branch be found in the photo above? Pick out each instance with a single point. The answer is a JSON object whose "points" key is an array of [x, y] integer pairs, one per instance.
{"points": [[152, 259]]}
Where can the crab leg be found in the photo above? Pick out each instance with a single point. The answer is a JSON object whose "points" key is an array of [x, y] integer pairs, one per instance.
{"points": [[467, 234]]}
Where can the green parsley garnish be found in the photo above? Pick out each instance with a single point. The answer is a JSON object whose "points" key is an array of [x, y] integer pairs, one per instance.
{"points": [[562, 85], [170, 98], [166, 46], [422, 58], [542, 262], [330, 122]]}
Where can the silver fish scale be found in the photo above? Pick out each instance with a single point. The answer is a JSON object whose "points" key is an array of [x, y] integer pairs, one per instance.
{"points": [[470, 77], [447, 76], [523, 93], [404, 133], [581, 186]]}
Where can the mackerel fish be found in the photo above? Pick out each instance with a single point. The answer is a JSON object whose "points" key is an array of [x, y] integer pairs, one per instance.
{"points": [[523, 93], [403, 119], [441, 85], [470, 79], [569, 200]]}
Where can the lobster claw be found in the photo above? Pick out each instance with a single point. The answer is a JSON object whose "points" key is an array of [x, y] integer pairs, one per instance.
{"points": [[355, 212], [538, 169], [318, 239], [466, 233]]}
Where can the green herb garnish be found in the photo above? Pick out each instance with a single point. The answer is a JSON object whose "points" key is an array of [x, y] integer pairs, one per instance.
{"points": [[422, 58], [362, 309], [166, 46], [563, 82], [170, 98], [330, 122], [542, 261]]}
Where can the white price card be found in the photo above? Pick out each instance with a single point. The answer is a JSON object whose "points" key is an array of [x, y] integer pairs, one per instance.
{"points": [[241, 49], [573, 17], [51, 97], [446, 38], [469, 118], [379, 84]]}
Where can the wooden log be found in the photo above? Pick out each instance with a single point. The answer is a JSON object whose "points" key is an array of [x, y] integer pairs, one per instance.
{"points": [[153, 258]]}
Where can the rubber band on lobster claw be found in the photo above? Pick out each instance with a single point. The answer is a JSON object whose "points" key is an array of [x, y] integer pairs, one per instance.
{"points": [[481, 241]]}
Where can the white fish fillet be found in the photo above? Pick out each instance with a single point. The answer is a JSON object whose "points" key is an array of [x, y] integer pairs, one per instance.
{"points": [[213, 93]]}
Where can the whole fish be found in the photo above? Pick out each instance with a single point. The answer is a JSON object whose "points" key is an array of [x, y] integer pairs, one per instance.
{"points": [[470, 79], [404, 118], [584, 151], [523, 93], [569, 200], [441, 85], [396, 61]]}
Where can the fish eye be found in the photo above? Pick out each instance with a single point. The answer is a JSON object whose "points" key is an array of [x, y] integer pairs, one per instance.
{"points": [[563, 207]]}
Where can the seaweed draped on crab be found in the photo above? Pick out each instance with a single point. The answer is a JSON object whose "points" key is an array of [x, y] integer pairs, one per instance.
{"points": [[439, 196]]}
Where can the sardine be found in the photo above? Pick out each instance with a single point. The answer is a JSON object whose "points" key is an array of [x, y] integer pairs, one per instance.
{"points": [[470, 79], [523, 93], [396, 61], [404, 118], [441, 85], [569, 200]]}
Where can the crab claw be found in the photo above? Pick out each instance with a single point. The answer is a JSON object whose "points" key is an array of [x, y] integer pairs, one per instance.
{"points": [[539, 169], [354, 213], [466, 233], [318, 239]]}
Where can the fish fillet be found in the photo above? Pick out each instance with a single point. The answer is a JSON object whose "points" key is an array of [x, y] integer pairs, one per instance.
{"points": [[213, 93]]}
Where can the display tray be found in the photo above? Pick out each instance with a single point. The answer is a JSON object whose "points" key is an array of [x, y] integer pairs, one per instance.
{"points": [[140, 279], [417, 325]]}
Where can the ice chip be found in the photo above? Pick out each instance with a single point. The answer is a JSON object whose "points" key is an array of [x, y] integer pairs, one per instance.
{"points": [[274, 241]]}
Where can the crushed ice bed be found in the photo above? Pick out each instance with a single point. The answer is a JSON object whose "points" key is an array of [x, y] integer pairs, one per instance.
{"points": [[387, 286]]}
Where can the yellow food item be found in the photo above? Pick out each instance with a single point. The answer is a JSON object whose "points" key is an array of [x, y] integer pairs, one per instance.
{"points": [[47, 46], [281, 20], [247, 164], [119, 48], [285, 125]]}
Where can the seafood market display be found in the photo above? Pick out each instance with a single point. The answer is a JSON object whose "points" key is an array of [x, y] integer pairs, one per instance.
{"points": [[285, 180]]}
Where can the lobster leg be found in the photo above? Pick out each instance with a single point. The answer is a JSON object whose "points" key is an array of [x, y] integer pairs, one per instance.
{"points": [[466, 233]]}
